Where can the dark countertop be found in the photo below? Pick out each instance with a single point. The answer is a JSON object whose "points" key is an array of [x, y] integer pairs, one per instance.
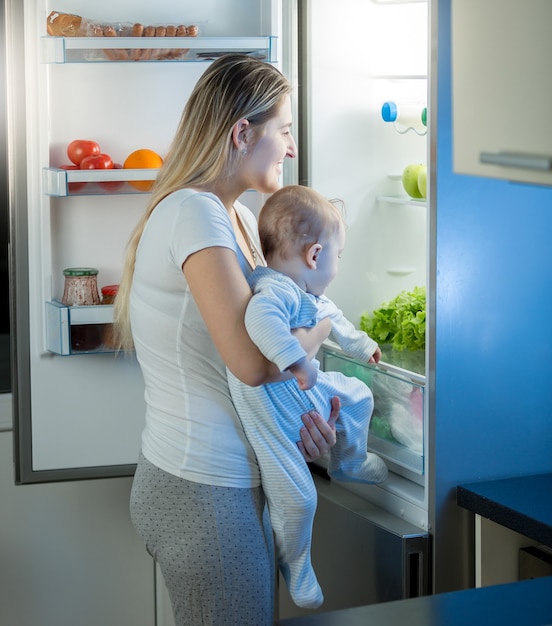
{"points": [[522, 504], [525, 603]]}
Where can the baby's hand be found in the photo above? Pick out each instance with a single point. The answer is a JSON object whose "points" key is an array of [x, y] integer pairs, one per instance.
{"points": [[376, 357], [305, 373]]}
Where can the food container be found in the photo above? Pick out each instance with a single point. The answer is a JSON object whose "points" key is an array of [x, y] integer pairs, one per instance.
{"points": [[81, 286], [109, 292], [81, 289], [397, 423]]}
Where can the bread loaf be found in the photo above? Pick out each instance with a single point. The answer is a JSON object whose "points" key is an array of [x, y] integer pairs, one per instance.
{"points": [[63, 24]]}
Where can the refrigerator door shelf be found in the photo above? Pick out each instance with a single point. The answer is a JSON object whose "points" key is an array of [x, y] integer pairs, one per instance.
{"points": [[397, 424], [61, 183], [63, 322], [124, 49]]}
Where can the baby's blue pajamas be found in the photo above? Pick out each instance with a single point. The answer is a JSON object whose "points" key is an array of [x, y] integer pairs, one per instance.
{"points": [[271, 417]]}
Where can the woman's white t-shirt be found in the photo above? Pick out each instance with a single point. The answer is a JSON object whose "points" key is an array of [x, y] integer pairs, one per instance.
{"points": [[192, 429]]}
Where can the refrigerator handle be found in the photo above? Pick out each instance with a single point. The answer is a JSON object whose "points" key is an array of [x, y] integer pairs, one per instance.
{"points": [[416, 583]]}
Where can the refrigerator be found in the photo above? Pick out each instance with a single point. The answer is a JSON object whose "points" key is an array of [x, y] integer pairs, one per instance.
{"points": [[79, 415]]}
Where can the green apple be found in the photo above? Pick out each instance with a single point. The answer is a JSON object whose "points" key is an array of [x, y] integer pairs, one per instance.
{"points": [[410, 180], [422, 181]]}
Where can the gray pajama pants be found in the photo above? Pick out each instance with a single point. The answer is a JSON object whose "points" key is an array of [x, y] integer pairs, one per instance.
{"points": [[214, 546]]}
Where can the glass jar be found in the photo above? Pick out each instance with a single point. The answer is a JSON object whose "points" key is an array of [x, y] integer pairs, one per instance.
{"points": [[81, 286], [81, 289], [109, 292]]}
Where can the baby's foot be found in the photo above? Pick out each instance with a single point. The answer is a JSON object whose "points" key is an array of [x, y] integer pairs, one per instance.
{"points": [[372, 470], [302, 585]]}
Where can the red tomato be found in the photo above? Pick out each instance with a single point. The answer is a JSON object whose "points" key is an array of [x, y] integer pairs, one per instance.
{"points": [[112, 186], [72, 186], [80, 148], [97, 162]]}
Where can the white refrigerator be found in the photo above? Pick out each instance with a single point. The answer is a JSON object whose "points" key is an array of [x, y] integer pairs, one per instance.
{"points": [[79, 414]]}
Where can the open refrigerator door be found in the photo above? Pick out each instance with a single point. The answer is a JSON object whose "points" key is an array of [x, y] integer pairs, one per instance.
{"points": [[82, 71]]}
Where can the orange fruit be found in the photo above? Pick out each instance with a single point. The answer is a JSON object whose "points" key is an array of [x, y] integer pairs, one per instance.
{"points": [[142, 159]]}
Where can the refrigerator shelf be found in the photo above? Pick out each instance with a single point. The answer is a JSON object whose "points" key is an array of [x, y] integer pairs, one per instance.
{"points": [[403, 199], [63, 321], [400, 77], [384, 2], [400, 270], [57, 182], [93, 49]]}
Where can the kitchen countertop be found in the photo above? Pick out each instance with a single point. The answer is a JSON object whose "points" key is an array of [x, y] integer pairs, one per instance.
{"points": [[525, 603], [522, 504]]}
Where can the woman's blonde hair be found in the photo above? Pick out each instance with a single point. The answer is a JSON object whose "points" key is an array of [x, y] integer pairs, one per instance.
{"points": [[233, 87], [295, 217]]}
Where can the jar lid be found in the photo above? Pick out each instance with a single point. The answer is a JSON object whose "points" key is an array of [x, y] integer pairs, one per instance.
{"points": [[80, 271], [110, 290]]}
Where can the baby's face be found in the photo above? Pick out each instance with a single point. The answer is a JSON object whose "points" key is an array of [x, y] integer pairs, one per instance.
{"points": [[327, 263]]}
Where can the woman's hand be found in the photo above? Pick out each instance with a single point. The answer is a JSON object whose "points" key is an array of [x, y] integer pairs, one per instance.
{"points": [[318, 435]]}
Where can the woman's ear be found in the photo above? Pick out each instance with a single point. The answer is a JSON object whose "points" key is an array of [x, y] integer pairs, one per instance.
{"points": [[312, 255], [240, 135]]}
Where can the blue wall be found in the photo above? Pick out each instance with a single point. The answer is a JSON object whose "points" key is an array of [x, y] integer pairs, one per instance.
{"points": [[493, 323]]}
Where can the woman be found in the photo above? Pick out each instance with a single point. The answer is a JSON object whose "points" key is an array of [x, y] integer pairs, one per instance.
{"points": [[196, 498]]}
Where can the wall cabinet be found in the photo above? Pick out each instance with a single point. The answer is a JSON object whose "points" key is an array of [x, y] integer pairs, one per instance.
{"points": [[501, 86]]}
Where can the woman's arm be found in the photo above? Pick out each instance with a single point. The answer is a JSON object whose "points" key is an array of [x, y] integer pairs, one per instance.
{"points": [[221, 293]]}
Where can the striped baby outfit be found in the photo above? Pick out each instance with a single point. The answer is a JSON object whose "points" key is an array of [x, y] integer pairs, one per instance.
{"points": [[271, 417]]}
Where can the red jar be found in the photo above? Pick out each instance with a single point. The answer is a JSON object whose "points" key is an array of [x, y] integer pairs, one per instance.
{"points": [[109, 292]]}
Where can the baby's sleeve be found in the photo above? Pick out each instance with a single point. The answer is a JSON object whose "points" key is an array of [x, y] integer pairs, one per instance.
{"points": [[267, 320], [354, 342]]}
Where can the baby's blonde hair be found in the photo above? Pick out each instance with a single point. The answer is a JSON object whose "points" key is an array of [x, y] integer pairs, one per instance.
{"points": [[295, 217]]}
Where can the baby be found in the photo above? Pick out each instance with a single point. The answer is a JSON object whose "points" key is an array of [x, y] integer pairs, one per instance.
{"points": [[302, 236]]}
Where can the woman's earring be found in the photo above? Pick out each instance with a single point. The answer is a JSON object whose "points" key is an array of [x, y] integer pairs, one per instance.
{"points": [[244, 150]]}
